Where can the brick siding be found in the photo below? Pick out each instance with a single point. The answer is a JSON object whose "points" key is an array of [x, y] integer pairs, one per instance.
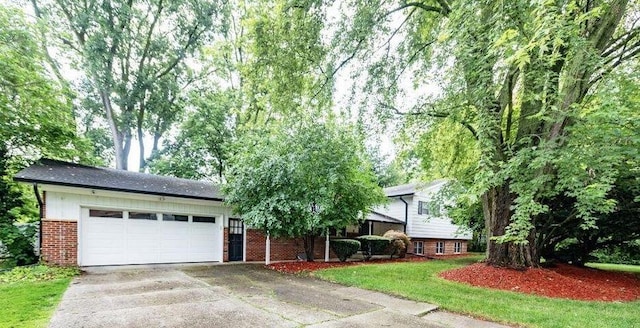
{"points": [[429, 246], [60, 242], [282, 249]]}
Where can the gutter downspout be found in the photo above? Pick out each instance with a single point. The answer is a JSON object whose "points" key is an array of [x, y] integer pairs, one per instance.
{"points": [[41, 208], [406, 213]]}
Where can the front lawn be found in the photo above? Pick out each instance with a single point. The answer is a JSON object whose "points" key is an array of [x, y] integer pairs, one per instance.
{"points": [[419, 281], [30, 304], [29, 295], [616, 267]]}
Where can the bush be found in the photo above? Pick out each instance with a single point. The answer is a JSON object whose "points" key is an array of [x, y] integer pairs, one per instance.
{"points": [[399, 242], [373, 245], [17, 243], [627, 253], [344, 248], [37, 273]]}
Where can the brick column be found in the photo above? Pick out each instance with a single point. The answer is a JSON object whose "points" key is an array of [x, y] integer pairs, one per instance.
{"points": [[60, 242]]}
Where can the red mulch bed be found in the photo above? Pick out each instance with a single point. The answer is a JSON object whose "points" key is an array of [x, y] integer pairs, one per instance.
{"points": [[303, 266], [562, 281]]}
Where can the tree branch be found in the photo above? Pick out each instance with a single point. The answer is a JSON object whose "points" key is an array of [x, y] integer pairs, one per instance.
{"points": [[194, 34], [437, 114], [340, 66], [441, 10]]}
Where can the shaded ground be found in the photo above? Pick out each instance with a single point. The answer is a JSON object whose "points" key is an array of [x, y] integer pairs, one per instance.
{"points": [[563, 281], [239, 295]]}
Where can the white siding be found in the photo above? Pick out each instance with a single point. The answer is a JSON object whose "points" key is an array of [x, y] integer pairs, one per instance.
{"points": [[395, 208], [65, 203], [428, 226]]}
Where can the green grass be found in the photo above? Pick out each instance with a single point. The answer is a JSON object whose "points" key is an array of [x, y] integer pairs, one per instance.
{"points": [[419, 281], [29, 294], [30, 304], [615, 267]]}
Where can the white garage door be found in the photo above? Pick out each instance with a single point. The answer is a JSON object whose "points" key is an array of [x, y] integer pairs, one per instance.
{"points": [[110, 237]]}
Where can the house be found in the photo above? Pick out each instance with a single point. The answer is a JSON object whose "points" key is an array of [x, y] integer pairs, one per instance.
{"points": [[99, 216], [407, 211]]}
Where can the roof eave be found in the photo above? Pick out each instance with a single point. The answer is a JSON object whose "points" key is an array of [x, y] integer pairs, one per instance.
{"points": [[401, 195], [66, 184]]}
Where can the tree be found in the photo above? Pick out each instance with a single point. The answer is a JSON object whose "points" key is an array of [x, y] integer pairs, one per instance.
{"points": [[200, 150], [301, 180], [388, 174], [133, 55], [515, 76], [35, 120]]}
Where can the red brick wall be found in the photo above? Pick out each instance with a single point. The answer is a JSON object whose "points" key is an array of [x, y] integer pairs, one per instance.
{"points": [[429, 246], [60, 242], [282, 249]]}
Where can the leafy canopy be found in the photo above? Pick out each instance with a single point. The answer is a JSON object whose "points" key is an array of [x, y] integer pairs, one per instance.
{"points": [[301, 180]]}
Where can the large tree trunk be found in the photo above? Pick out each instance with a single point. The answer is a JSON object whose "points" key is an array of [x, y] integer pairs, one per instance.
{"points": [[496, 204], [116, 134], [309, 243]]}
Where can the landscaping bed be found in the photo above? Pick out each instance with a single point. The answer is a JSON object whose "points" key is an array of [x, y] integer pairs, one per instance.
{"points": [[562, 281], [303, 266]]}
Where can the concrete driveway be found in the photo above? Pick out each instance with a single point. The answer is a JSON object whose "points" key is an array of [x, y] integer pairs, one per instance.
{"points": [[239, 295]]}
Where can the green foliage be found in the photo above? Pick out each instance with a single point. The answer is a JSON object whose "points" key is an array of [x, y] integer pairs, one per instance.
{"points": [[344, 248], [37, 273], [133, 57], [301, 180], [388, 174], [373, 245], [200, 151], [518, 82], [627, 253], [35, 112], [35, 120], [399, 242], [15, 242]]}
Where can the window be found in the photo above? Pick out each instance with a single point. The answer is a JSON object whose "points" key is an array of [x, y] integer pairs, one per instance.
{"points": [[105, 214], [418, 248], [143, 216], [204, 219], [457, 247], [174, 217], [422, 208], [440, 247]]}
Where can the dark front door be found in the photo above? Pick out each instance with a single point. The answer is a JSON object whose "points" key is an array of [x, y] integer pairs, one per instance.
{"points": [[235, 239]]}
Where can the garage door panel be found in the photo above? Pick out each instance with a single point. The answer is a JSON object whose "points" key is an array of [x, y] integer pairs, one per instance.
{"points": [[109, 241], [105, 226]]}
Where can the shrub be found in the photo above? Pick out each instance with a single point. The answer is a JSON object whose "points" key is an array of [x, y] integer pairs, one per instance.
{"points": [[344, 248], [37, 273], [627, 253], [399, 242], [17, 243], [373, 245]]}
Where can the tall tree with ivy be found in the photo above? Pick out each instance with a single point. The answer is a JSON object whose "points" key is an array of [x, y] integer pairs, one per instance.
{"points": [[514, 77]]}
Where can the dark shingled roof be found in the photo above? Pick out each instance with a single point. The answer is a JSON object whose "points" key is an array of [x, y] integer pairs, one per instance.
{"points": [[60, 173]]}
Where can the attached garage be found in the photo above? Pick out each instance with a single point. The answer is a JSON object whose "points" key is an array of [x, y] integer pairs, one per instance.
{"points": [[97, 216], [109, 237]]}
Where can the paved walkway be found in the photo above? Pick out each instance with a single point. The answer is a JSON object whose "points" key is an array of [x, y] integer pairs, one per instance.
{"points": [[239, 295]]}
